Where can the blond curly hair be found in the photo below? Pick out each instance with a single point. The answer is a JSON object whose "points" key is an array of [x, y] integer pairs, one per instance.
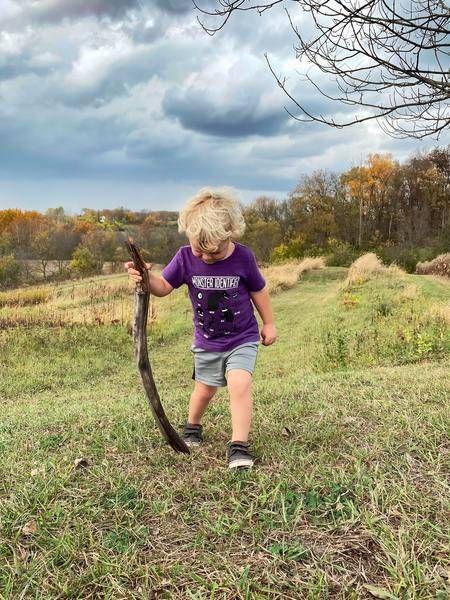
{"points": [[212, 216]]}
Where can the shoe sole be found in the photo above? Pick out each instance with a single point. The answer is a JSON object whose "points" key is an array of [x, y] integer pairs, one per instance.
{"points": [[242, 463], [192, 444]]}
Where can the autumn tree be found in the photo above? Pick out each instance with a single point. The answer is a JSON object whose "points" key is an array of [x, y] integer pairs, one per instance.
{"points": [[263, 237], [440, 158], [159, 238], [368, 186], [83, 262], [101, 245], [44, 249], [20, 227], [267, 225], [65, 239], [6, 245], [313, 204], [425, 200], [57, 215], [10, 270]]}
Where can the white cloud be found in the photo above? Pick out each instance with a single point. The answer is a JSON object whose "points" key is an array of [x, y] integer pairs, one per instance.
{"points": [[8, 10], [95, 62]]}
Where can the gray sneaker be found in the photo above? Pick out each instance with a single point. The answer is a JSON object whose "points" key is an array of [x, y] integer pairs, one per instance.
{"points": [[239, 455], [192, 434]]}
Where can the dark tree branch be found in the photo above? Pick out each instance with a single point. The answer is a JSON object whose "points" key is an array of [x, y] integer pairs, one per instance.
{"points": [[405, 50]]}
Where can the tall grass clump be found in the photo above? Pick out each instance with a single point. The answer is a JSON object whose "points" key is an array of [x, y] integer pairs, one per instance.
{"points": [[363, 269], [29, 297], [438, 266], [285, 276], [367, 267]]}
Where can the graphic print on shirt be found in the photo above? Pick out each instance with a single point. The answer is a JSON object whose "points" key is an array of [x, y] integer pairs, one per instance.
{"points": [[215, 304]]}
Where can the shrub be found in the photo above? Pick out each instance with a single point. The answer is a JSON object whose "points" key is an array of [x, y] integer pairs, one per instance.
{"points": [[84, 262], [10, 271], [341, 254], [294, 249], [406, 257], [438, 266]]}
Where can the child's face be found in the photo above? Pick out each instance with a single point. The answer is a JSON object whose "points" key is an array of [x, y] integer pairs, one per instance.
{"points": [[210, 257]]}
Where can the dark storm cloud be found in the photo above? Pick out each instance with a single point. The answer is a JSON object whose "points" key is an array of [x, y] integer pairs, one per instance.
{"points": [[54, 11], [197, 112], [181, 6], [174, 6]]}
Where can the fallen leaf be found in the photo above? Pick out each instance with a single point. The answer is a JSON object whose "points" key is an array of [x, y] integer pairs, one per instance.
{"points": [[29, 528], [378, 592], [285, 432], [80, 462]]}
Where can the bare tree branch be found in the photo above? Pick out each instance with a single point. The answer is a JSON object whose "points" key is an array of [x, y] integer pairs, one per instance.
{"points": [[404, 47]]}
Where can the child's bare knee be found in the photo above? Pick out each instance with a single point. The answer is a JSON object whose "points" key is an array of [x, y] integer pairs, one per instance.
{"points": [[238, 380], [206, 392]]}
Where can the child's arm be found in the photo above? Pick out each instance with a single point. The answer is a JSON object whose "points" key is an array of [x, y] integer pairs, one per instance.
{"points": [[158, 285], [261, 300]]}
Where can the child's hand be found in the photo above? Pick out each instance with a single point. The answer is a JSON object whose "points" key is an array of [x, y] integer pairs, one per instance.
{"points": [[134, 275], [268, 334]]}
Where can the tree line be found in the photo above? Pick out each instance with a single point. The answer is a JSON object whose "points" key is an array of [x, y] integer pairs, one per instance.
{"points": [[56, 245], [402, 211]]}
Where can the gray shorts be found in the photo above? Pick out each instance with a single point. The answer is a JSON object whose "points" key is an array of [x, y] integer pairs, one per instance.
{"points": [[210, 367]]}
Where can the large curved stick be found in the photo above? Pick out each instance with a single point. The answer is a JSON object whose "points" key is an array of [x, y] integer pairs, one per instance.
{"points": [[142, 300]]}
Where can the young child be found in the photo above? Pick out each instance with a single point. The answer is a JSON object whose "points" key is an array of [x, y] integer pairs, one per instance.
{"points": [[223, 281]]}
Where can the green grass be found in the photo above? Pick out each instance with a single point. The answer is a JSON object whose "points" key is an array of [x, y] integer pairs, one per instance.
{"points": [[349, 497]]}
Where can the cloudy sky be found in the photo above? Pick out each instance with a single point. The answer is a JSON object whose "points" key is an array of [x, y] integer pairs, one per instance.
{"points": [[107, 103]]}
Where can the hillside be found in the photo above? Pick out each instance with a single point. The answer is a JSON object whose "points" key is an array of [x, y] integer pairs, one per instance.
{"points": [[348, 498]]}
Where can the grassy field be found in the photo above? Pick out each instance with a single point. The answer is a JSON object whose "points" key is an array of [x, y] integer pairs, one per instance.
{"points": [[349, 497]]}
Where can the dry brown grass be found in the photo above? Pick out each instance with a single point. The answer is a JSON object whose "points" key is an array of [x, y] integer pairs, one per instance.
{"points": [[438, 312], [30, 297], [410, 292], [90, 301], [285, 276], [100, 300], [364, 268], [367, 267], [438, 266], [108, 299]]}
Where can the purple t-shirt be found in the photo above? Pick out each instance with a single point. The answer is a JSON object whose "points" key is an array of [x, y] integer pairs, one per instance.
{"points": [[220, 296]]}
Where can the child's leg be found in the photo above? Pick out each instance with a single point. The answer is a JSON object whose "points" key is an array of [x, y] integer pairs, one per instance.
{"points": [[200, 398], [240, 391]]}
